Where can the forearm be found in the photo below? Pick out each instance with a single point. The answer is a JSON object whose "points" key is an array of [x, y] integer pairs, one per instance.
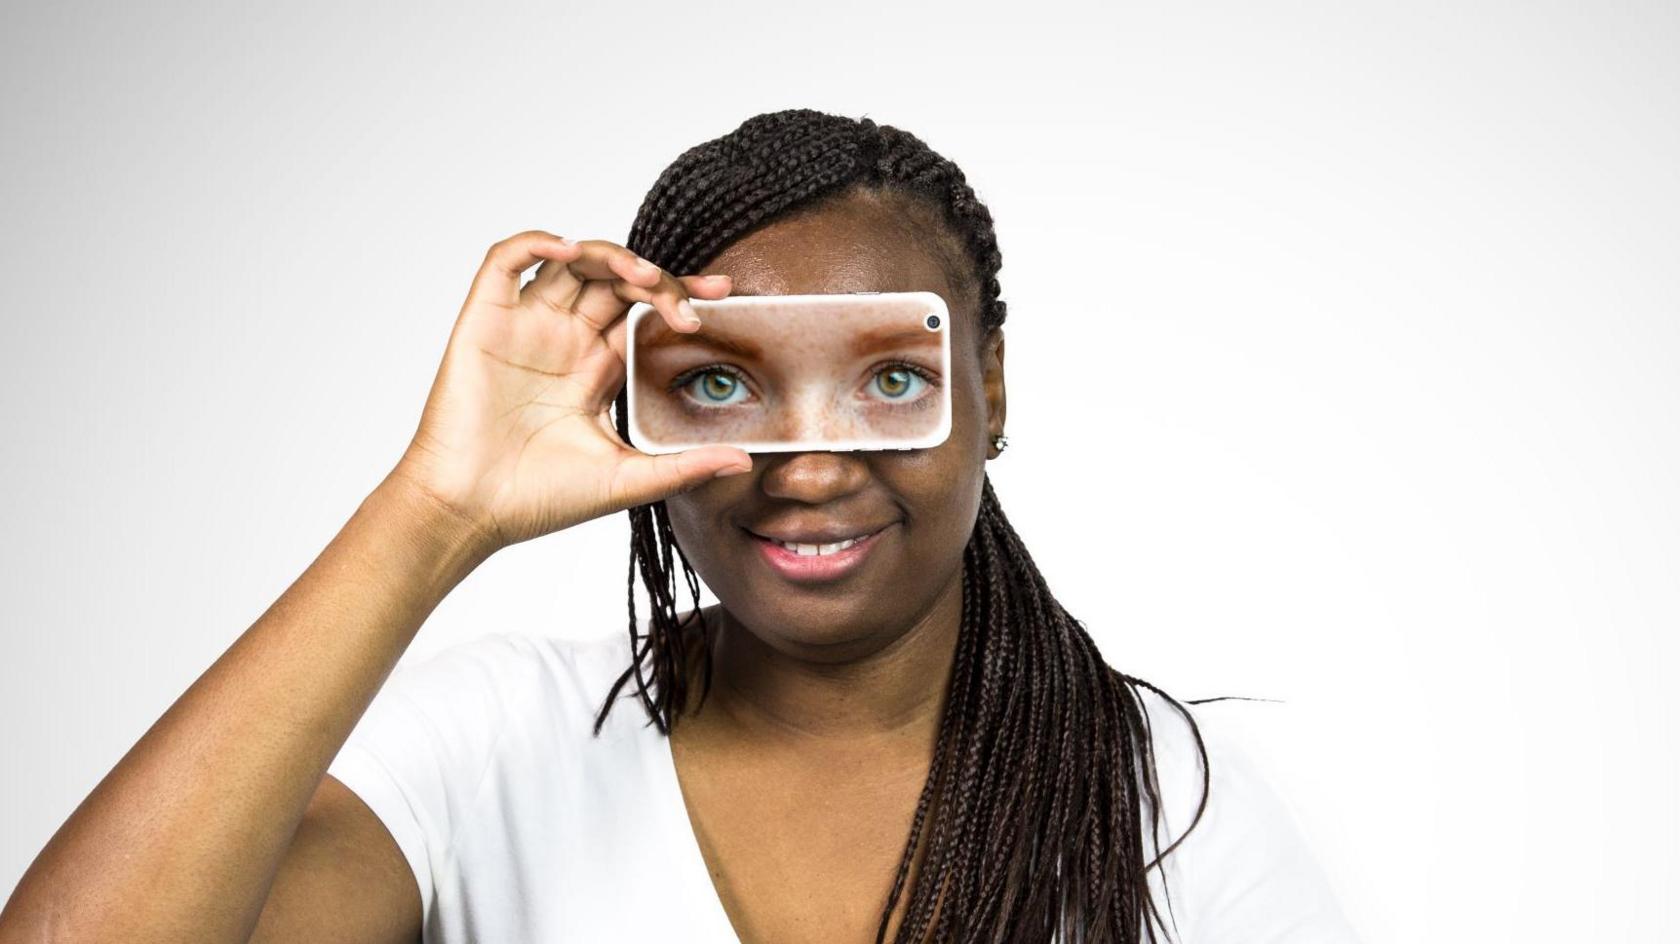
{"points": [[181, 839]]}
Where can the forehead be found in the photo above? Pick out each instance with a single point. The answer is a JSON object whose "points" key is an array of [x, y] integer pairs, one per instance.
{"points": [[861, 243]]}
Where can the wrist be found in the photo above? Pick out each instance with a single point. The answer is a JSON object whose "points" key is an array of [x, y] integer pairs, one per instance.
{"points": [[450, 540]]}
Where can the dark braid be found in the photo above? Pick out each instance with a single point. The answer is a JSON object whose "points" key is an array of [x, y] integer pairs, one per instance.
{"points": [[1032, 814]]}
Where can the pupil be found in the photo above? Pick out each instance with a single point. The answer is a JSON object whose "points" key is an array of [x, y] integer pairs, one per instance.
{"points": [[719, 386]]}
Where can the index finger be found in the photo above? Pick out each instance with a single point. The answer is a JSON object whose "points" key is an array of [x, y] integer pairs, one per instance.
{"points": [[698, 286], [497, 281]]}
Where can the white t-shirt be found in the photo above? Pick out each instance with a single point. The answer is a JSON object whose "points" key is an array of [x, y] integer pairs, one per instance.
{"points": [[521, 826]]}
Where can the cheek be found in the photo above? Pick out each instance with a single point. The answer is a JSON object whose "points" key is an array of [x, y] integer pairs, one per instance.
{"points": [[697, 522], [968, 416], [967, 379], [940, 488]]}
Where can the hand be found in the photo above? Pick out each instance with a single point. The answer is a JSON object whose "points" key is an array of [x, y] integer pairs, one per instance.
{"points": [[515, 437]]}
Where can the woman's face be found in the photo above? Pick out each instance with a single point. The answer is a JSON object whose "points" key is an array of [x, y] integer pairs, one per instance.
{"points": [[918, 507]]}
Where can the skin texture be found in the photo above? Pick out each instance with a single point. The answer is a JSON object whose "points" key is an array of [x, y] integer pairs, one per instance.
{"points": [[802, 769]]}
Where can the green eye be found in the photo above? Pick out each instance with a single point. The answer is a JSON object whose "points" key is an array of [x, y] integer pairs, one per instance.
{"points": [[715, 388]]}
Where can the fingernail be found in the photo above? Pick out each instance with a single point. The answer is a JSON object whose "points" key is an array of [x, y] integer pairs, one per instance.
{"points": [[645, 265], [729, 470], [719, 278], [687, 312], [567, 241]]}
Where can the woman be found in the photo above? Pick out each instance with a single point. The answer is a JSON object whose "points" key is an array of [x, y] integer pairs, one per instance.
{"points": [[927, 747]]}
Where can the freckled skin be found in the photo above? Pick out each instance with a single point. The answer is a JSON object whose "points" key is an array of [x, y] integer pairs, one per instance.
{"points": [[929, 497], [801, 379]]}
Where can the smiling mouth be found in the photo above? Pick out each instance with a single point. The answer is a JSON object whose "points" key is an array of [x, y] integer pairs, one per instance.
{"points": [[820, 550], [800, 560]]}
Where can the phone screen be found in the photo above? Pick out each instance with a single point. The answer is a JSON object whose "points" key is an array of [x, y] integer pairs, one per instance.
{"points": [[780, 373]]}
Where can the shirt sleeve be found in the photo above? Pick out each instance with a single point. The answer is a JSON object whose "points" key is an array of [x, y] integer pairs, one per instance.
{"points": [[1245, 874], [419, 753], [1249, 869]]}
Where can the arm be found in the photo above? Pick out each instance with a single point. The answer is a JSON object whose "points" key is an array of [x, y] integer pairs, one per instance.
{"points": [[343, 879], [219, 823], [183, 838]]}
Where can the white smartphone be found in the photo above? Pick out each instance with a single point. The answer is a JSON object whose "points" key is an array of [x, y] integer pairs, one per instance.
{"points": [[792, 373]]}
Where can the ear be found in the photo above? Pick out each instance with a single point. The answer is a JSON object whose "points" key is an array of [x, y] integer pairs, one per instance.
{"points": [[991, 377]]}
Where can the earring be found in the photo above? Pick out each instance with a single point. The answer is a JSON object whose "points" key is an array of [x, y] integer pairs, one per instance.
{"points": [[1000, 442]]}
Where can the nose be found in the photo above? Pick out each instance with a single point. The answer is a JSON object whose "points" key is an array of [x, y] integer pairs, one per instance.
{"points": [[812, 477], [811, 412]]}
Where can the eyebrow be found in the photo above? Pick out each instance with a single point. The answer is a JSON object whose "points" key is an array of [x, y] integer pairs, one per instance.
{"points": [[663, 336], [870, 343], [886, 340]]}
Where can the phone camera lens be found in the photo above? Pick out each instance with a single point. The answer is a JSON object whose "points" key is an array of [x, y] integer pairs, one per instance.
{"points": [[933, 322]]}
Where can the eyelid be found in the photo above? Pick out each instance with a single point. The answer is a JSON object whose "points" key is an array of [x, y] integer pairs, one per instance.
{"points": [[930, 376], [687, 377]]}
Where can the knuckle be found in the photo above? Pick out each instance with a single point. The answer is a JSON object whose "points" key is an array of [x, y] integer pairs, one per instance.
{"points": [[513, 243], [553, 304]]}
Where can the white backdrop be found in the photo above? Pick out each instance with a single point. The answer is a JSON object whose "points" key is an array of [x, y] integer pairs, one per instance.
{"points": [[1381, 300]]}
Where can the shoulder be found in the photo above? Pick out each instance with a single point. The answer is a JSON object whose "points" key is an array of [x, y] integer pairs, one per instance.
{"points": [[511, 671], [444, 724], [1184, 749], [1199, 753], [481, 754], [509, 650], [1238, 865]]}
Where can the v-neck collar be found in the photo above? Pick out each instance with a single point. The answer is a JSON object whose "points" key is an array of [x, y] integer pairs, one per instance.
{"points": [[690, 866]]}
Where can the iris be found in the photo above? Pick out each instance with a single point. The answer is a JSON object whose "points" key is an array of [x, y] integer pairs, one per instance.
{"points": [[896, 382]]}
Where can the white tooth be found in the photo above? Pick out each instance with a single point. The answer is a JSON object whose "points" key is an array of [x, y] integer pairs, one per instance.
{"points": [[813, 550]]}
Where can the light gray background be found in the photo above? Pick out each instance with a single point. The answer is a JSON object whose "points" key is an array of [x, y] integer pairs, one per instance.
{"points": [[1342, 357]]}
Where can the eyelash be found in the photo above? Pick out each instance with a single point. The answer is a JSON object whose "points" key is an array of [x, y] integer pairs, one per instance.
{"points": [[689, 376]]}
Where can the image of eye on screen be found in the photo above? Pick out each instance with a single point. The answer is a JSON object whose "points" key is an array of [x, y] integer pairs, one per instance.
{"points": [[792, 373]]}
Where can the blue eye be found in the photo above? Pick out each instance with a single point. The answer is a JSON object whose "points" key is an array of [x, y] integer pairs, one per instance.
{"points": [[899, 383], [716, 388]]}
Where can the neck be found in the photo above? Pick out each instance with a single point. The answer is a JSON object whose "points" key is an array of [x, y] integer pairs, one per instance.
{"points": [[894, 687]]}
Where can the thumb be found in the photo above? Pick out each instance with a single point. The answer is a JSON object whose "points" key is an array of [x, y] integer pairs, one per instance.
{"points": [[643, 478]]}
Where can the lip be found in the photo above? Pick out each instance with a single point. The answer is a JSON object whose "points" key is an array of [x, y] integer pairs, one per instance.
{"points": [[815, 567]]}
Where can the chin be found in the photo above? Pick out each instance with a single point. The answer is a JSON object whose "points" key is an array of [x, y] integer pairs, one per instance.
{"points": [[809, 627]]}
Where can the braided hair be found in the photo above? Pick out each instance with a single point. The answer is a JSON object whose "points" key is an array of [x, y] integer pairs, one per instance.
{"points": [[1031, 816]]}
